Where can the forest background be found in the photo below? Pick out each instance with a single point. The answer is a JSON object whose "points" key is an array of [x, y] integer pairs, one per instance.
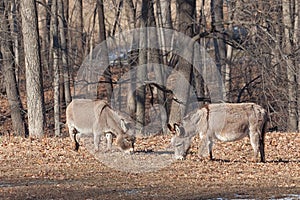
{"points": [[254, 44]]}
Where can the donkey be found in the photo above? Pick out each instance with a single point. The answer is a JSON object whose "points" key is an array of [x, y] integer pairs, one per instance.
{"points": [[225, 122], [97, 118]]}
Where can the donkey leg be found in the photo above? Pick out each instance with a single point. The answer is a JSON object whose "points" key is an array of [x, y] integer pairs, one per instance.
{"points": [[71, 132], [202, 152], [262, 148], [255, 143], [210, 145], [96, 141], [205, 148], [74, 135], [108, 137]]}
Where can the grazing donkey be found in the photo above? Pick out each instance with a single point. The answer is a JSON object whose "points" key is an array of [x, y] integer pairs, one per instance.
{"points": [[97, 118], [224, 122]]}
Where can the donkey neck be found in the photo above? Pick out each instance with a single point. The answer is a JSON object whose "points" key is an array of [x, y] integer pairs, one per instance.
{"points": [[191, 122]]}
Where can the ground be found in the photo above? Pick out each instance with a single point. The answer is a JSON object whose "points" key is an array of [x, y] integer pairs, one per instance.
{"points": [[49, 168]]}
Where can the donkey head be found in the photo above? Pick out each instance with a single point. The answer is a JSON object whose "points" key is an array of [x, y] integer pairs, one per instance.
{"points": [[126, 142], [180, 141]]}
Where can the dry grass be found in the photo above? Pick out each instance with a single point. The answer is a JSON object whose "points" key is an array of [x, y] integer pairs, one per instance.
{"points": [[49, 169]]}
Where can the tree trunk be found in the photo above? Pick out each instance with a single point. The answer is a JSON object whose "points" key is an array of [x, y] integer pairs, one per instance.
{"points": [[117, 17], [142, 68], [185, 19], [64, 50], [50, 41], [297, 61], [102, 39], [34, 81], [43, 11], [78, 34], [290, 67], [155, 57], [166, 13], [229, 53], [56, 74], [163, 11], [15, 24], [199, 79], [219, 38], [130, 11], [18, 122]]}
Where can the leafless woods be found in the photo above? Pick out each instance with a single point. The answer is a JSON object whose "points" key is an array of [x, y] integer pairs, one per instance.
{"points": [[254, 45]]}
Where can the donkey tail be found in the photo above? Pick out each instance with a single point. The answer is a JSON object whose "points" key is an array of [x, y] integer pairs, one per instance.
{"points": [[75, 140], [262, 140]]}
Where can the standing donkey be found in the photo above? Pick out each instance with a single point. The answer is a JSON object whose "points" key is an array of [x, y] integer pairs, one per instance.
{"points": [[225, 122], [97, 118]]}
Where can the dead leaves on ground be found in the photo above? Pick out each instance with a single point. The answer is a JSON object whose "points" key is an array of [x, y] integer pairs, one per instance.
{"points": [[53, 159]]}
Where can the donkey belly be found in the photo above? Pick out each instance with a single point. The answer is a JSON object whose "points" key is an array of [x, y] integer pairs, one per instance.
{"points": [[230, 136], [84, 130]]}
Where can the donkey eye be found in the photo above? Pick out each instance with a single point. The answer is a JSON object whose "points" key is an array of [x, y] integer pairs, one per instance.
{"points": [[178, 144]]}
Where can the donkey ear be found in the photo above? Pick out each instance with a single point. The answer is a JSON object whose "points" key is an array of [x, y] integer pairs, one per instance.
{"points": [[177, 129], [123, 125], [170, 127]]}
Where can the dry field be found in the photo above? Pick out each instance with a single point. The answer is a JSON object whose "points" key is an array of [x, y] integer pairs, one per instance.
{"points": [[49, 169]]}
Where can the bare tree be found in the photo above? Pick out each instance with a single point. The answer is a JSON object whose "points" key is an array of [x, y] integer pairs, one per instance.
{"points": [[154, 56], [102, 39], [34, 81], [297, 60], [117, 21], [15, 32], [217, 24], [56, 69], [185, 20], [78, 32], [130, 11], [43, 15], [290, 66], [12, 91], [62, 23], [164, 9], [142, 68]]}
